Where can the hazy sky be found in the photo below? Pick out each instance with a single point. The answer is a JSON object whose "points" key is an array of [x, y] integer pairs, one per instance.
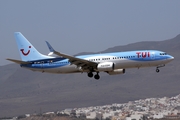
{"points": [[74, 26]]}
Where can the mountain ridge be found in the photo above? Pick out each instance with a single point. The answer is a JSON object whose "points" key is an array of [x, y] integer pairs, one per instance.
{"points": [[23, 91]]}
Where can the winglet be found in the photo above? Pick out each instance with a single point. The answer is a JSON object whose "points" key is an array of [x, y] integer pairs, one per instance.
{"points": [[50, 47]]}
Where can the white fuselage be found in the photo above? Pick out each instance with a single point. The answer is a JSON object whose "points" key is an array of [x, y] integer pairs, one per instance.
{"points": [[121, 60]]}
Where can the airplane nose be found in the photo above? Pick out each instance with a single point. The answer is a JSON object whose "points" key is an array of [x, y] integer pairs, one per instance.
{"points": [[171, 58]]}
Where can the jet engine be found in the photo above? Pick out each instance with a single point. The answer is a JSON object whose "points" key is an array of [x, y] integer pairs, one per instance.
{"points": [[116, 71], [106, 66]]}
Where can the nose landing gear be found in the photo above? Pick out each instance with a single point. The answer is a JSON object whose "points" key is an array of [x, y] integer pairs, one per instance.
{"points": [[157, 68]]}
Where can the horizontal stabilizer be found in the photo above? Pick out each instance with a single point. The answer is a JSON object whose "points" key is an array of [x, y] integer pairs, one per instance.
{"points": [[18, 61]]}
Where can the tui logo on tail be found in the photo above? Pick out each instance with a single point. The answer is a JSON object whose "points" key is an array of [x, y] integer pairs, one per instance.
{"points": [[25, 54]]}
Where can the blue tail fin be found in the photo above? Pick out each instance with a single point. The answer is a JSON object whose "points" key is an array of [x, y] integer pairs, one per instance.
{"points": [[27, 51]]}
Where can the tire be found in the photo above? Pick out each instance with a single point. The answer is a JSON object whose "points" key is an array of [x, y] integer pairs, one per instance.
{"points": [[157, 70]]}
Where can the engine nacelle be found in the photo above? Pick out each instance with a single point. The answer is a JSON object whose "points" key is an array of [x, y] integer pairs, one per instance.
{"points": [[116, 71], [80, 69], [106, 66]]}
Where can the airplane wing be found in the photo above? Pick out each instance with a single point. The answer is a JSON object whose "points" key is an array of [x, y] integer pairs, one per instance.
{"points": [[18, 61], [85, 64]]}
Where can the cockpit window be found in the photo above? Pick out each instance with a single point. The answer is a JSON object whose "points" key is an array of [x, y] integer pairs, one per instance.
{"points": [[163, 53]]}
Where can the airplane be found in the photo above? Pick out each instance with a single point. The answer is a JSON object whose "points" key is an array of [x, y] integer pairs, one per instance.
{"points": [[111, 63]]}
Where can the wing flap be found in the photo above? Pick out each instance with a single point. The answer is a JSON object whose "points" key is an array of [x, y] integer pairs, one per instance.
{"points": [[74, 60]]}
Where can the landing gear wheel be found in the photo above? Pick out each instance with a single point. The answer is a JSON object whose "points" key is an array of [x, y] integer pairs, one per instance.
{"points": [[97, 77], [157, 70], [90, 74]]}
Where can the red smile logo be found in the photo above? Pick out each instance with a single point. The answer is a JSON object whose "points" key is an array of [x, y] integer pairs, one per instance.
{"points": [[25, 54]]}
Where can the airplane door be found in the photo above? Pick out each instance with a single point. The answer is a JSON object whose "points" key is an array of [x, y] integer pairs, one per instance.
{"points": [[42, 64], [153, 55]]}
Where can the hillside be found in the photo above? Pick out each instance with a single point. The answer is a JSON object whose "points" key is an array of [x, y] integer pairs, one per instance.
{"points": [[23, 91]]}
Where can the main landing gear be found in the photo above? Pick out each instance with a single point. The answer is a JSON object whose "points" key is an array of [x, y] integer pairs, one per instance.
{"points": [[90, 74], [157, 68]]}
